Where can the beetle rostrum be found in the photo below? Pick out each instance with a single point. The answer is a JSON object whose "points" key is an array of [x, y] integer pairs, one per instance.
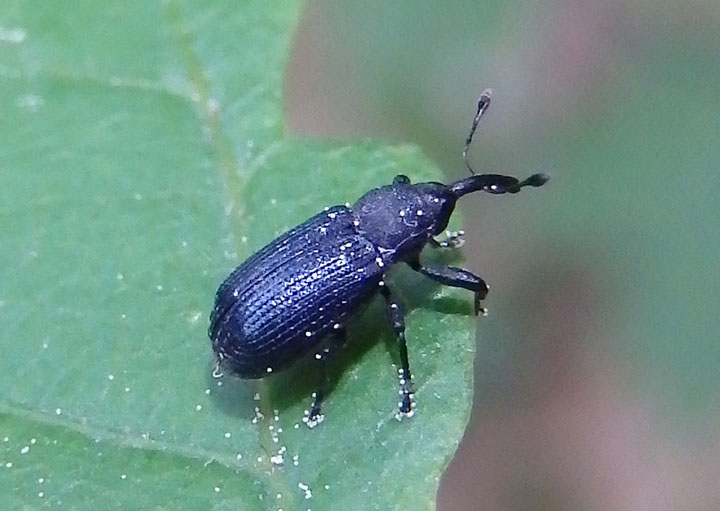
{"points": [[297, 293]]}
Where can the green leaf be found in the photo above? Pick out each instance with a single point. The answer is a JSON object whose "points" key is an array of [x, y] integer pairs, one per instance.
{"points": [[144, 157]]}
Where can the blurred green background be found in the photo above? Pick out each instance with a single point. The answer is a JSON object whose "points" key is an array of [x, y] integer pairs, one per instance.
{"points": [[598, 369]]}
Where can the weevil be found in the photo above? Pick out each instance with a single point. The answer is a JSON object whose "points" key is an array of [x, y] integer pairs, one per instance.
{"points": [[297, 293]]}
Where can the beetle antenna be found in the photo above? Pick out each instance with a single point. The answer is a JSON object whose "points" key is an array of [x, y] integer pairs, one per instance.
{"points": [[482, 106]]}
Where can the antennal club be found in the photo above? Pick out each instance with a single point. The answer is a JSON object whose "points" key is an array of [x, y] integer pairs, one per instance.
{"points": [[482, 105]]}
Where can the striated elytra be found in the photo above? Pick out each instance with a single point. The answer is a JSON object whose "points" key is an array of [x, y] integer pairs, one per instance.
{"points": [[297, 293]]}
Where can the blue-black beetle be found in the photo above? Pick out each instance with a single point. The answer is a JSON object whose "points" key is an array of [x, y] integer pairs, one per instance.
{"points": [[303, 287]]}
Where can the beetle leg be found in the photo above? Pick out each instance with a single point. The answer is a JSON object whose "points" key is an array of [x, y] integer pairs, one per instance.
{"points": [[456, 277], [453, 240], [315, 415], [406, 405]]}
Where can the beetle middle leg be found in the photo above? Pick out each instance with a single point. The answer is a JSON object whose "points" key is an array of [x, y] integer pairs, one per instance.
{"points": [[337, 341], [456, 277], [406, 404]]}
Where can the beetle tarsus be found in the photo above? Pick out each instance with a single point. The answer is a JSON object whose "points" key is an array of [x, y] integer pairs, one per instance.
{"points": [[315, 415], [453, 240], [456, 277]]}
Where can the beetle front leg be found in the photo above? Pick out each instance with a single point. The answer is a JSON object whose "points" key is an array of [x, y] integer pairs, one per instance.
{"points": [[456, 277], [453, 240], [337, 340], [406, 405]]}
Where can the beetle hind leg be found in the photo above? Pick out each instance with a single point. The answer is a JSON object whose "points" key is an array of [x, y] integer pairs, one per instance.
{"points": [[406, 405], [456, 277]]}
